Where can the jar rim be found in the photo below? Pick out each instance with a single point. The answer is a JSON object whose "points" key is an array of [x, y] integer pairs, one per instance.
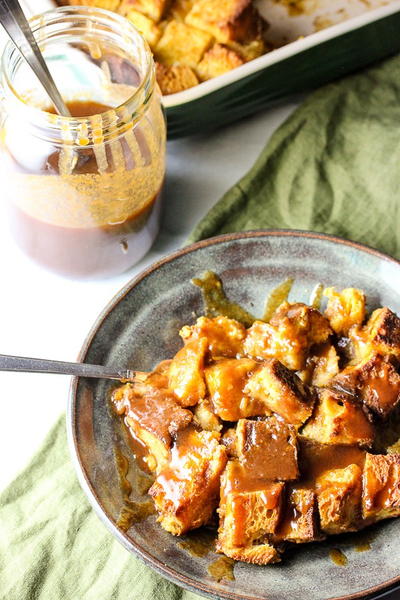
{"points": [[139, 98]]}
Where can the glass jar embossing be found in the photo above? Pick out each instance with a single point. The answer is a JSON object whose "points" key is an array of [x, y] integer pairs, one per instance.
{"points": [[84, 193]]}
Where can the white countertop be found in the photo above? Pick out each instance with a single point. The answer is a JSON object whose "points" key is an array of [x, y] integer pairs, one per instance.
{"points": [[47, 316]]}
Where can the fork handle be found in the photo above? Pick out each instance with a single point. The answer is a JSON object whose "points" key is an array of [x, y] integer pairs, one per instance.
{"points": [[17, 27], [40, 365]]}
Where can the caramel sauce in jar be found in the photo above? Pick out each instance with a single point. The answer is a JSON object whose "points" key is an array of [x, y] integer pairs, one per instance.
{"points": [[84, 192]]}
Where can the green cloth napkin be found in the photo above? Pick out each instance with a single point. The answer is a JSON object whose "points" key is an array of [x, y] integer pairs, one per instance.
{"points": [[333, 166]]}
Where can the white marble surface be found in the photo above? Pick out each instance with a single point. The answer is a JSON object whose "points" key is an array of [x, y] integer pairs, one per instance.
{"points": [[47, 316]]}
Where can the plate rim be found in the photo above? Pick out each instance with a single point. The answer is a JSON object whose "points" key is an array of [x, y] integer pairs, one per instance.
{"points": [[132, 546]]}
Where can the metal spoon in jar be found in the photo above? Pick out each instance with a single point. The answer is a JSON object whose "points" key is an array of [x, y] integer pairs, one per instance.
{"points": [[17, 27], [40, 365]]}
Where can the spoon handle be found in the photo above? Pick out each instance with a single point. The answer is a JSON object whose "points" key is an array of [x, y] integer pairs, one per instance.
{"points": [[16, 25], [39, 365]]}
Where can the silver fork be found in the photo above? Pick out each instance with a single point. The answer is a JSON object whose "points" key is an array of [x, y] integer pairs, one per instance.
{"points": [[40, 365], [18, 29]]}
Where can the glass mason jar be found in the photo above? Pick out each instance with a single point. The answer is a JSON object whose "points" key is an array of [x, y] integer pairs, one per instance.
{"points": [[83, 192]]}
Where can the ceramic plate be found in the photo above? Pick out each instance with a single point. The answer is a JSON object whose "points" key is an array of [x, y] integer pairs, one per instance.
{"points": [[140, 327]]}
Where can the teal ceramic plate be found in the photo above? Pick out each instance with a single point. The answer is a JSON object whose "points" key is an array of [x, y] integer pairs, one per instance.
{"points": [[296, 67], [140, 327]]}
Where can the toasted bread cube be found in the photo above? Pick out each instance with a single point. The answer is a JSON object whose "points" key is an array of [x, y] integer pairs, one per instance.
{"points": [[269, 448], [205, 417], [299, 520], [381, 489], [302, 321], [153, 417], [293, 329], [249, 511], [326, 363], [180, 8], [172, 80], [226, 20], [345, 309], [186, 491], [321, 366], [146, 26], [259, 554], [339, 499], [154, 9], [249, 50], [381, 335], [229, 440], [182, 44], [226, 380], [375, 380], [225, 336], [281, 391], [217, 61], [186, 378], [106, 4], [338, 420]]}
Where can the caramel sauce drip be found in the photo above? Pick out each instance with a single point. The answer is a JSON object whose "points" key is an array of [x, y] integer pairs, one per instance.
{"points": [[185, 454], [363, 546], [134, 512], [131, 511], [139, 450], [199, 543], [276, 297], [243, 480], [222, 568], [216, 301], [338, 557]]}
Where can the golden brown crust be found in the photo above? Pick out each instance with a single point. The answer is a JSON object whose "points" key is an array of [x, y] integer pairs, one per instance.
{"points": [[106, 4], [180, 8], [224, 336], [375, 381], [339, 499], [217, 61], [181, 44], [381, 489], [299, 522], [150, 31], [154, 9], [345, 309], [282, 392], [338, 420], [249, 511], [293, 329], [259, 554], [383, 331], [175, 79], [186, 378], [226, 20]]}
